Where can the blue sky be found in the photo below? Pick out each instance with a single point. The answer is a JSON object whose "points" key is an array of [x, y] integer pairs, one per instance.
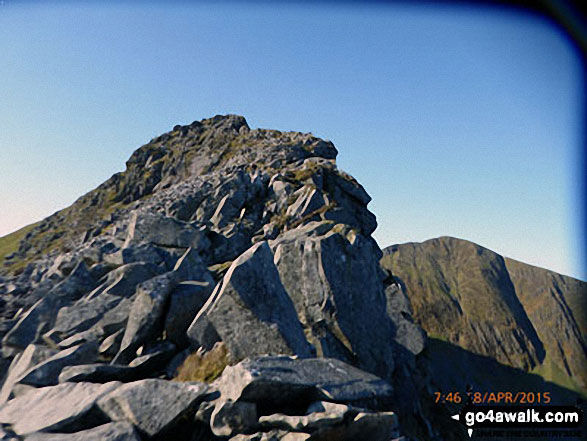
{"points": [[458, 122]]}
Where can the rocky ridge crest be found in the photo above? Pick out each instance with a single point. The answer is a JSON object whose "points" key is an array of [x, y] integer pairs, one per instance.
{"points": [[216, 239]]}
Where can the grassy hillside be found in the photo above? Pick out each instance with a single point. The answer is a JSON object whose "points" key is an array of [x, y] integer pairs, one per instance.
{"points": [[9, 243], [517, 314]]}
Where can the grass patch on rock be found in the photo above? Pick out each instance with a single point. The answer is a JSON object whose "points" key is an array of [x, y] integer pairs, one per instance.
{"points": [[205, 367]]}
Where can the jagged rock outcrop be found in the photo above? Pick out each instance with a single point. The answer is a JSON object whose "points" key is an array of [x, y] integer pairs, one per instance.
{"points": [[520, 315], [214, 234]]}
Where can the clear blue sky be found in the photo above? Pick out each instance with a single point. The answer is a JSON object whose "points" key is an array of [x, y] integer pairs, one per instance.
{"points": [[458, 122]]}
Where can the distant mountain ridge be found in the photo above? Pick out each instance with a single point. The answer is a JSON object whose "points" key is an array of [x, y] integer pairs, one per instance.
{"points": [[520, 315]]}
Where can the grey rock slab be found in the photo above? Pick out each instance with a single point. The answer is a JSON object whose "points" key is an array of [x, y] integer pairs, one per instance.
{"points": [[47, 372], [356, 217], [281, 190], [273, 435], [114, 319], [21, 389], [146, 317], [186, 300], [154, 406], [229, 207], [119, 431], [227, 247], [280, 382], [61, 267], [190, 266], [230, 417], [142, 253], [145, 366], [54, 408], [333, 278], [202, 333], [380, 426], [97, 373], [308, 201], [407, 333], [79, 282], [252, 312], [83, 314], [91, 335], [323, 414], [31, 356], [33, 323], [153, 227], [351, 187], [123, 280]]}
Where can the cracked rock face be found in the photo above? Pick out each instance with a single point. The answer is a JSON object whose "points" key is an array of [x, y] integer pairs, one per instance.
{"points": [[214, 234]]}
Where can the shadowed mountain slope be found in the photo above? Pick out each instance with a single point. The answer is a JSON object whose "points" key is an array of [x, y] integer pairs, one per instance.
{"points": [[520, 315]]}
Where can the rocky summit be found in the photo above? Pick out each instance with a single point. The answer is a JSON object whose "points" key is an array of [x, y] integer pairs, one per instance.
{"points": [[224, 286]]}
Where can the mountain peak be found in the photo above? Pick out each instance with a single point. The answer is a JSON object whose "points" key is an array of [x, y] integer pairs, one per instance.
{"points": [[216, 236], [521, 315], [207, 150], [223, 123]]}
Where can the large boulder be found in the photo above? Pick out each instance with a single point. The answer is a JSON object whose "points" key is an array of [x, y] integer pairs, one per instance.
{"points": [[111, 322], [153, 406], [186, 300], [114, 319], [252, 312], [190, 266], [332, 275], [82, 315], [47, 372], [146, 319], [302, 294], [228, 207], [76, 284], [407, 333], [123, 280], [309, 200], [281, 382], [158, 229]]}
